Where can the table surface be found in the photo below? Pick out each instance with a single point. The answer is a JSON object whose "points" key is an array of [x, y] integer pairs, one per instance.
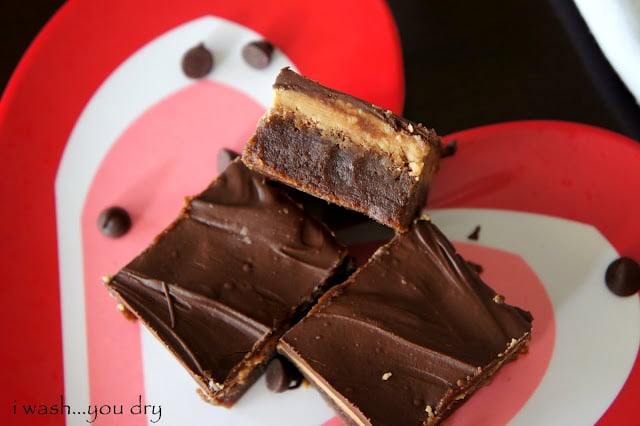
{"points": [[467, 64]]}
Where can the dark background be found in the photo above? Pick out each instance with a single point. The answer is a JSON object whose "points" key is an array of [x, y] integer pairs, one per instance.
{"points": [[467, 63]]}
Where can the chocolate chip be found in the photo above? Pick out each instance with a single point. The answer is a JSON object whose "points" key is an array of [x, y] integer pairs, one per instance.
{"points": [[475, 235], [114, 222], [475, 267], [281, 375], [449, 149], [623, 276], [197, 62], [225, 156], [258, 53]]}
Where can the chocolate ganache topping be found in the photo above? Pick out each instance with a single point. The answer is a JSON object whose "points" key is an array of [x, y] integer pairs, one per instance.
{"points": [[408, 336], [221, 283]]}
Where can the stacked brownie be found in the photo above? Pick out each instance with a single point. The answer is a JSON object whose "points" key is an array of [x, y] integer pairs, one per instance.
{"points": [[245, 271], [345, 151]]}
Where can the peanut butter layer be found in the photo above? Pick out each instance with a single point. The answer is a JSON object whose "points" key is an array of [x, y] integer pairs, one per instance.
{"points": [[348, 123], [221, 284], [409, 337], [344, 150]]}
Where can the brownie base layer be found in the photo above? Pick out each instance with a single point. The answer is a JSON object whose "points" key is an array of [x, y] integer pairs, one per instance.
{"points": [[343, 174]]}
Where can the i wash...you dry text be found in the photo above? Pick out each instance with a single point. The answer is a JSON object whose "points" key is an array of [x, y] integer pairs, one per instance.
{"points": [[92, 412]]}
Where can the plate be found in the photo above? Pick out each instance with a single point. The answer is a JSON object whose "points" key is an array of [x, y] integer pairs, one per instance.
{"points": [[98, 113], [616, 30]]}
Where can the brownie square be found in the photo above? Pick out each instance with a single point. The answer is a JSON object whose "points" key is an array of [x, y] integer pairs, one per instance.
{"points": [[220, 285], [344, 150], [409, 336]]}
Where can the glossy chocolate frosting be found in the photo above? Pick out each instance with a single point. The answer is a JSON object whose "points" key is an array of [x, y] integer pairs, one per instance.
{"points": [[409, 336], [221, 283]]}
